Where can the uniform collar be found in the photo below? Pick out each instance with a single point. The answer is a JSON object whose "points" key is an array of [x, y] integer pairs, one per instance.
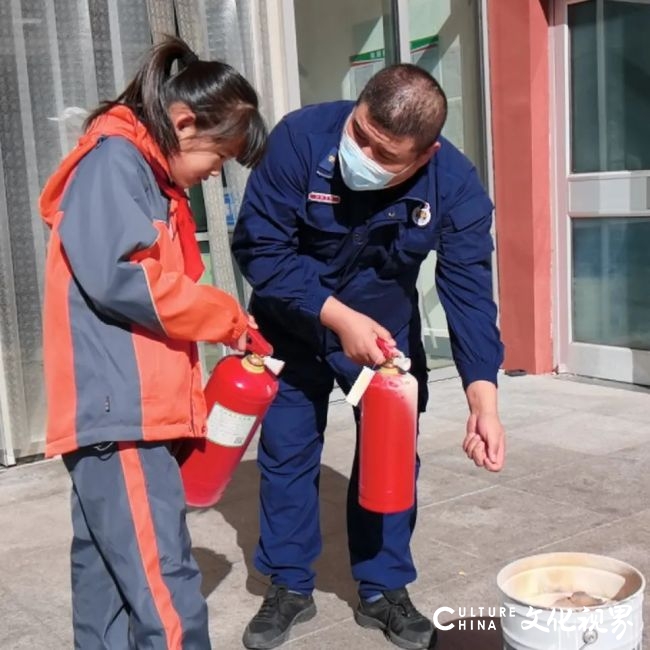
{"points": [[418, 189], [327, 165]]}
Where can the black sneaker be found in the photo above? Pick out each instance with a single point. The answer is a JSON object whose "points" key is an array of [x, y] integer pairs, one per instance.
{"points": [[281, 608], [396, 616]]}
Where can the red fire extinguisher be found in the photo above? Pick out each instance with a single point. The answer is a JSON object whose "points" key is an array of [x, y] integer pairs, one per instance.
{"points": [[238, 394], [388, 435]]}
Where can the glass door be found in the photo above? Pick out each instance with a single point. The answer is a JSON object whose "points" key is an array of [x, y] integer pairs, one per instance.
{"points": [[444, 40], [341, 44], [603, 66]]}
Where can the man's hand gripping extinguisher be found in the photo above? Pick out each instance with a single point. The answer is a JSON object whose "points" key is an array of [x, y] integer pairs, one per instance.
{"points": [[238, 394], [388, 433]]}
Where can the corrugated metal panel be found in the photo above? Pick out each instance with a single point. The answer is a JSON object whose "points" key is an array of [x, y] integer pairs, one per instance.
{"points": [[233, 31], [60, 54], [53, 55], [161, 18], [192, 16], [13, 410], [236, 34]]}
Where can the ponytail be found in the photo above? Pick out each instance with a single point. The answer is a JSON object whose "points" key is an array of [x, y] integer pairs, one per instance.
{"points": [[224, 103]]}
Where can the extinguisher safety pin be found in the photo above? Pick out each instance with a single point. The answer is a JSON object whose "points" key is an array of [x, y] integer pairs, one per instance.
{"points": [[395, 356], [401, 361]]}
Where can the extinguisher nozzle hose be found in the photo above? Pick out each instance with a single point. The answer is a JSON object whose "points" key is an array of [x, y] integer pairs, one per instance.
{"points": [[360, 385]]}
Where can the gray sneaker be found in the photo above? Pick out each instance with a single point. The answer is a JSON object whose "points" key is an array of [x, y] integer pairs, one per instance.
{"points": [[395, 615], [280, 609]]}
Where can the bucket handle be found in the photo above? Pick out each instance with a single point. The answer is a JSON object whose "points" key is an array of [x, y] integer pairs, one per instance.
{"points": [[589, 637]]}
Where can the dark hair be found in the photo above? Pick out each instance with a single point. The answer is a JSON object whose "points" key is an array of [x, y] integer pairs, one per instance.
{"points": [[406, 101], [224, 103]]}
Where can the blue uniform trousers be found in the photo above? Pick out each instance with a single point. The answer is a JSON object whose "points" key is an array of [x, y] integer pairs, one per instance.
{"points": [[289, 457]]}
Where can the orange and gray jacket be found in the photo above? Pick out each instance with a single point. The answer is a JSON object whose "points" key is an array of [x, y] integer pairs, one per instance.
{"points": [[120, 315]]}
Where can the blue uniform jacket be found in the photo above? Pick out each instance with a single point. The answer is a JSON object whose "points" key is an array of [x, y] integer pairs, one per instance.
{"points": [[302, 236]]}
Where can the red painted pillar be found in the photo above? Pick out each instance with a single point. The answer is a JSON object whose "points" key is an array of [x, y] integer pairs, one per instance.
{"points": [[519, 75]]}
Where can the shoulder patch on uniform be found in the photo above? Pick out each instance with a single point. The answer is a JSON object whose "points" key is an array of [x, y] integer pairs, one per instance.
{"points": [[321, 197]]}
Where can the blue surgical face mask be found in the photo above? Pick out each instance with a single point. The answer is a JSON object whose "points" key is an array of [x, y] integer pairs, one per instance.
{"points": [[360, 172]]}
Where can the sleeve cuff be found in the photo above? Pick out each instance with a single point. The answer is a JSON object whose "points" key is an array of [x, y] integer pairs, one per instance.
{"points": [[314, 301], [477, 371], [240, 325]]}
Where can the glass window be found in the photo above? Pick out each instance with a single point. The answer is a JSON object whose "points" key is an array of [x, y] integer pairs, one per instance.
{"points": [[611, 281], [445, 42], [610, 69], [341, 44], [197, 201], [198, 208]]}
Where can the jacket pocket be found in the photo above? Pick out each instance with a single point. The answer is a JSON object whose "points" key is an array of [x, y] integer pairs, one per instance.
{"points": [[321, 231], [165, 370], [417, 240]]}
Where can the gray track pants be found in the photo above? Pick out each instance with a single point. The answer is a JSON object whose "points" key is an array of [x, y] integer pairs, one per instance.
{"points": [[135, 583]]}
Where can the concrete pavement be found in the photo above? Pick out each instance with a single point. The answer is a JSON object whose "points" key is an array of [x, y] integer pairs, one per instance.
{"points": [[576, 480]]}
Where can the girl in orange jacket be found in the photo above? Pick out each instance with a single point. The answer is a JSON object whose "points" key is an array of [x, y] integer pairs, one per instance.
{"points": [[122, 315]]}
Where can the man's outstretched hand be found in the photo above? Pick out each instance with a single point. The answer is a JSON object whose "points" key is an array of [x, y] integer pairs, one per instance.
{"points": [[485, 438]]}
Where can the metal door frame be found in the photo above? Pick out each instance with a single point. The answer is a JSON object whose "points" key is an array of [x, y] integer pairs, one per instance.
{"points": [[602, 361]]}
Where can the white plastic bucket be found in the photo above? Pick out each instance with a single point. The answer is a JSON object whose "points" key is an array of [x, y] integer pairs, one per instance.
{"points": [[532, 587]]}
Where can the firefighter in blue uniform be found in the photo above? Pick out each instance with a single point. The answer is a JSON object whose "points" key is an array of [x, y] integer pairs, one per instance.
{"points": [[335, 223]]}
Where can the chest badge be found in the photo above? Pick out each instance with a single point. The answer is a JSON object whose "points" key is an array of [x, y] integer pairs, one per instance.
{"points": [[322, 197], [421, 216]]}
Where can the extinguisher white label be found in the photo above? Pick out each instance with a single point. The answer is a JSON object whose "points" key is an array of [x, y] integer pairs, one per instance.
{"points": [[227, 428]]}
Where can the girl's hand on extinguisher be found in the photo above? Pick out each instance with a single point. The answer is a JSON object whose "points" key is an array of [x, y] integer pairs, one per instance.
{"points": [[240, 343], [358, 332]]}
